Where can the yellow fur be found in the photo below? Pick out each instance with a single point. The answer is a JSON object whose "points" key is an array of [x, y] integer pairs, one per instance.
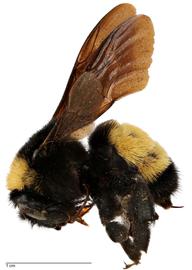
{"points": [[20, 174], [135, 146]]}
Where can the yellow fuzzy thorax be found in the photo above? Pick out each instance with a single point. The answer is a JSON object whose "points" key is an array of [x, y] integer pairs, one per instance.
{"points": [[20, 174], [135, 146]]}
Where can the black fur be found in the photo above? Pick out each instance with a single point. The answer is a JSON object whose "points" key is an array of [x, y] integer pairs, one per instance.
{"points": [[100, 136], [28, 149], [165, 186], [59, 169], [58, 182], [119, 190], [65, 173]]}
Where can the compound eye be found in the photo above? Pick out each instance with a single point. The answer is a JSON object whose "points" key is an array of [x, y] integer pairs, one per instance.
{"points": [[33, 213], [25, 208]]}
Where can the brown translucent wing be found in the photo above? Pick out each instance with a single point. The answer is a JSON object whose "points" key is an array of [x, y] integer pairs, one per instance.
{"points": [[118, 67], [105, 26], [121, 63]]}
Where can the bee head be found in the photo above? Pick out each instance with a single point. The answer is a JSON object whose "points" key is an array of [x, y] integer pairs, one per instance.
{"points": [[46, 186]]}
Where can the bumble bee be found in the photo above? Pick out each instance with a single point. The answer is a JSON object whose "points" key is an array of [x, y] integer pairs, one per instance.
{"points": [[129, 173], [53, 180], [45, 178]]}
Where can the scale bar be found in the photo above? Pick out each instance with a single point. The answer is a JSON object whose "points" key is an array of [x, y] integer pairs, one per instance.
{"points": [[14, 263]]}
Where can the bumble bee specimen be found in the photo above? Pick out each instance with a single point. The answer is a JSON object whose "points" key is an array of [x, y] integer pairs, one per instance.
{"points": [[53, 180], [129, 173], [45, 178]]}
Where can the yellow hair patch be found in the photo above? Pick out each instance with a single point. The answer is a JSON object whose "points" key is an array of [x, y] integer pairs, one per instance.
{"points": [[20, 174], [154, 163], [135, 146]]}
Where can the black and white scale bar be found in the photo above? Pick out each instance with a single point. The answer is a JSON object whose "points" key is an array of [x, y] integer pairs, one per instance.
{"points": [[16, 263]]}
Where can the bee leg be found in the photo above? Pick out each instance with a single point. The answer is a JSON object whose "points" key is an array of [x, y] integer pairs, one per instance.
{"points": [[129, 265], [133, 253], [85, 210], [82, 221], [137, 242], [118, 232], [174, 206]]}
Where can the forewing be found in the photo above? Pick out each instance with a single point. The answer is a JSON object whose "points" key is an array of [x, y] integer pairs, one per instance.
{"points": [[122, 61], [83, 103], [106, 25], [117, 68]]}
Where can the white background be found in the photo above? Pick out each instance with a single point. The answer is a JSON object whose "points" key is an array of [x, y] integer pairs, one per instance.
{"points": [[39, 41]]}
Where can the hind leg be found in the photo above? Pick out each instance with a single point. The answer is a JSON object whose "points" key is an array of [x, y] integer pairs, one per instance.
{"points": [[165, 186], [141, 213], [137, 242]]}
